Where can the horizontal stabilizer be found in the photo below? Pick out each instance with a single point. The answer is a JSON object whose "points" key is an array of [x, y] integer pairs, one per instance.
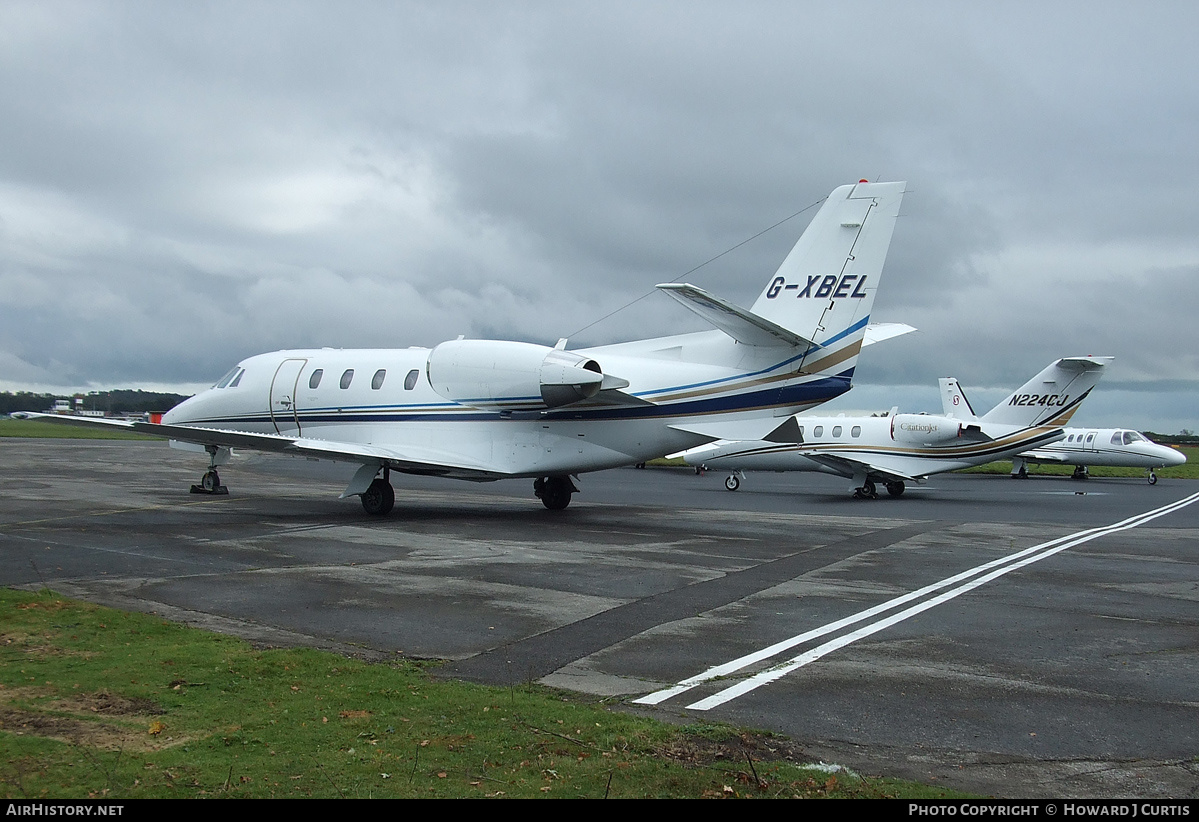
{"points": [[877, 332], [1083, 363], [742, 325]]}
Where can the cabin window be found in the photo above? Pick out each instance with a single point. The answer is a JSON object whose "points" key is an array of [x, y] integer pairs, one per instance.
{"points": [[856, 431], [315, 379], [818, 431], [237, 379], [377, 380], [1090, 437], [836, 430], [346, 377], [410, 380], [1117, 439], [1070, 438]]}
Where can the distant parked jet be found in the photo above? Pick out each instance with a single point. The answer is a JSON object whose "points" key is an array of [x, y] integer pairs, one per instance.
{"points": [[1080, 447], [895, 449]]}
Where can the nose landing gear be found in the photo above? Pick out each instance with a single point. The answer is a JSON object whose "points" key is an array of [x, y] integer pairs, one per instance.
{"points": [[210, 483]]}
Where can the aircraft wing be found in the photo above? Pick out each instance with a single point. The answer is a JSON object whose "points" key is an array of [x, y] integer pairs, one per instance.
{"points": [[1044, 456], [848, 465], [410, 460]]}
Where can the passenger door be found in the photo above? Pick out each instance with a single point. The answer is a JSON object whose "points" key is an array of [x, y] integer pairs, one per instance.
{"points": [[283, 396]]}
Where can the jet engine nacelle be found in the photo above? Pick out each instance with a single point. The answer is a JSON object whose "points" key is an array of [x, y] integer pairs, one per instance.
{"points": [[924, 429], [511, 375]]}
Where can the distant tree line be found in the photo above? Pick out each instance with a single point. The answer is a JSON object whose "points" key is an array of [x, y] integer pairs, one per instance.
{"points": [[110, 402], [1183, 437]]}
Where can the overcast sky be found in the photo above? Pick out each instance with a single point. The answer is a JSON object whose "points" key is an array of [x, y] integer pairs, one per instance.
{"points": [[186, 184]]}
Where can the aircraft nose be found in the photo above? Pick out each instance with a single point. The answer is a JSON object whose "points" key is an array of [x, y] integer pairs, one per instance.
{"points": [[1176, 457], [179, 413]]}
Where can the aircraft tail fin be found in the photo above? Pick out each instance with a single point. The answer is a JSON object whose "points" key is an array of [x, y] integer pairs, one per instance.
{"points": [[953, 400], [824, 290], [1051, 397]]}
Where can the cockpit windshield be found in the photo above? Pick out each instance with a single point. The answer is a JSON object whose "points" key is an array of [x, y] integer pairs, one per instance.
{"points": [[225, 379]]}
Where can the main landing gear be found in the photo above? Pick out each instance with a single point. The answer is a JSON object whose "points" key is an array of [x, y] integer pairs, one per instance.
{"points": [[210, 483], [868, 490], [865, 491], [380, 497], [554, 492], [1019, 468], [1080, 473]]}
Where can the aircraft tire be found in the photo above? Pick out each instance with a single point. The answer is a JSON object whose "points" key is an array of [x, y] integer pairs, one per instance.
{"points": [[1152, 478], [896, 489], [867, 491], [379, 498], [555, 492], [732, 483], [210, 481]]}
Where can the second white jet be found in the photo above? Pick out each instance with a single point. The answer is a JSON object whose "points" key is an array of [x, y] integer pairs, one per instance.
{"points": [[895, 449], [1080, 447]]}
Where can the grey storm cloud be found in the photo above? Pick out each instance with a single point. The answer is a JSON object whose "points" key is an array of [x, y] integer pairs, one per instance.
{"points": [[183, 184]]}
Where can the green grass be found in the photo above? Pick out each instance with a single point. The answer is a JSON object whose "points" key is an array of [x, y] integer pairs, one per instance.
{"points": [[100, 703], [50, 430], [1188, 470]]}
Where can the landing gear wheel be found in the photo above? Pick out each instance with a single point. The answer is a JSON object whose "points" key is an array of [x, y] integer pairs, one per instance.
{"points": [[1152, 478], [379, 498], [732, 483], [554, 492], [1081, 472], [867, 491], [210, 483], [1021, 474], [896, 488]]}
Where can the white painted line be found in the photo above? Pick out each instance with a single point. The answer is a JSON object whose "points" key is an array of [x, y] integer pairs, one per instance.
{"points": [[1004, 565]]}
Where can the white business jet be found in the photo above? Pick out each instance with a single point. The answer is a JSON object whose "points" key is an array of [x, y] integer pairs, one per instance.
{"points": [[1080, 447], [492, 409], [895, 449]]}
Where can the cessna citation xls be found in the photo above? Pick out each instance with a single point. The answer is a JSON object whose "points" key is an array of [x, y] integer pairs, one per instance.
{"points": [[1080, 447], [492, 409], [899, 448]]}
